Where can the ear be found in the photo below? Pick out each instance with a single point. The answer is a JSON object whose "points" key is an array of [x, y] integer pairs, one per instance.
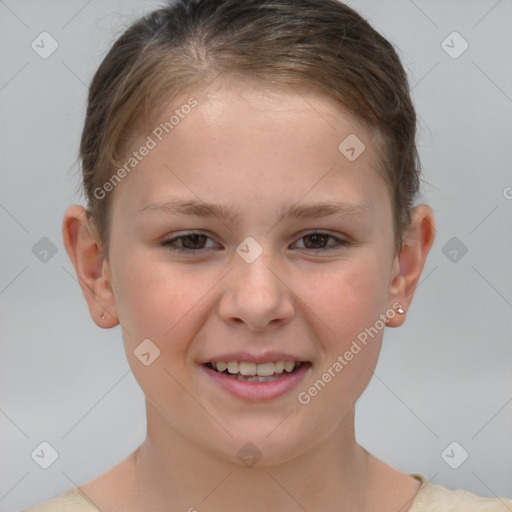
{"points": [[92, 269], [409, 262]]}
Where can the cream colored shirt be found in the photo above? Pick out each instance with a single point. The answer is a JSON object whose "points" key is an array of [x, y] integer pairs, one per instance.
{"points": [[430, 498]]}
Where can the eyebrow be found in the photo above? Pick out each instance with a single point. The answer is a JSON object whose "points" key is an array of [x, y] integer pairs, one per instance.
{"points": [[223, 212]]}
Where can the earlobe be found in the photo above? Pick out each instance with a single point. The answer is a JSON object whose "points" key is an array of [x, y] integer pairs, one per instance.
{"points": [[409, 262], [91, 268]]}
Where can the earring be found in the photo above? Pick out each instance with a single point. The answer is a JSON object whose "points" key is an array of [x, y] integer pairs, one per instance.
{"points": [[103, 317], [400, 310]]}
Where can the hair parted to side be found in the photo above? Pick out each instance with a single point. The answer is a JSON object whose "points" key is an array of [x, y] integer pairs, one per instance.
{"points": [[320, 44]]}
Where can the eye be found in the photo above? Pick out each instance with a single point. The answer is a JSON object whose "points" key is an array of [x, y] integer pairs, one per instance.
{"points": [[191, 242], [319, 239], [195, 242]]}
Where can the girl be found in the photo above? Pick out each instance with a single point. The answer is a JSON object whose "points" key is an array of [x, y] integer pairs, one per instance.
{"points": [[250, 171]]}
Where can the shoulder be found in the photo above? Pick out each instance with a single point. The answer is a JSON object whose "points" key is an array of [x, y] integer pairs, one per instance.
{"points": [[68, 501], [437, 498]]}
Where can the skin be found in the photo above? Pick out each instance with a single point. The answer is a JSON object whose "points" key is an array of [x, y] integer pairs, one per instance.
{"points": [[254, 149]]}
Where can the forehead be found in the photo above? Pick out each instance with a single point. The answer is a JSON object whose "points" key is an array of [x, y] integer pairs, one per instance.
{"points": [[246, 139], [296, 111]]}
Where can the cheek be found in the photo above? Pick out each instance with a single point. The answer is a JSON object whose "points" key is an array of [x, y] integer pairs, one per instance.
{"points": [[164, 303], [349, 303], [160, 298], [346, 303], [346, 297]]}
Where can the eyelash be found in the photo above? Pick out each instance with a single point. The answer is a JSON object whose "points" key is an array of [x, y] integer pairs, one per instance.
{"points": [[168, 242]]}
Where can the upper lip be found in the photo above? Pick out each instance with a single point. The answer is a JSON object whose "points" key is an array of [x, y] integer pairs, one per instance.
{"points": [[264, 357]]}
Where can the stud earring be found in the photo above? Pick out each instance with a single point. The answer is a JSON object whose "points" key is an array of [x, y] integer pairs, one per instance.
{"points": [[400, 310], [103, 317]]}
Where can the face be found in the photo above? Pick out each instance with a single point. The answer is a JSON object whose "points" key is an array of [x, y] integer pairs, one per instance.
{"points": [[277, 276]]}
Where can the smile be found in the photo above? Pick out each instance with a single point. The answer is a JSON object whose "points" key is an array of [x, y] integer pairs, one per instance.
{"points": [[257, 381], [248, 369]]}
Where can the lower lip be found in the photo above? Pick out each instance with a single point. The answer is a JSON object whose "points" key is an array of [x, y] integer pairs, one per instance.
{"points": [[258, 390]]}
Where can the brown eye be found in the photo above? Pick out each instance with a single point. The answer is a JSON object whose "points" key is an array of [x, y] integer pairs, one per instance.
{"points": [[318, 242], [316, 239], [193, 242]]}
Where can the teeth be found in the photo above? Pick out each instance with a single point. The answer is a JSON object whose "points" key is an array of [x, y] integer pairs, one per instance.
{"points": [[279, 366], [221, 366], [256, 378], [289, 366], [247, 369], [233, 367], [266, 369]]}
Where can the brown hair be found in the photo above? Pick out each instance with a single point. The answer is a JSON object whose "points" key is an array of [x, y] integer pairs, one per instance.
{"points": [[321, 44]]}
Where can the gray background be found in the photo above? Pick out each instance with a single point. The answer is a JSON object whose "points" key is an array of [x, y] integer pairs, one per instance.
{"points": [[444, 376]]}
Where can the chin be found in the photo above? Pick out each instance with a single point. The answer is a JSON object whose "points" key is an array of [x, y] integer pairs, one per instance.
{"points": [[261, 446]]}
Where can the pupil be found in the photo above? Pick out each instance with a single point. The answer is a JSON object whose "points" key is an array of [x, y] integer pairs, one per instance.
{"points": [[316, 236], [195, 240]]}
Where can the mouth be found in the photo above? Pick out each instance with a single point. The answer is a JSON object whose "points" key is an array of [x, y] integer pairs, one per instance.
{"points": [[255, 372], [256, 381]]}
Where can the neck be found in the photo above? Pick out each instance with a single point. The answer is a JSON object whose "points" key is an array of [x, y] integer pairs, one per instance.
{"points": [[171, 470]]}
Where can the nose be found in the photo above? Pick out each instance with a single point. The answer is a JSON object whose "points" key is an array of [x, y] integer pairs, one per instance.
{"points": [[255, 294]]}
